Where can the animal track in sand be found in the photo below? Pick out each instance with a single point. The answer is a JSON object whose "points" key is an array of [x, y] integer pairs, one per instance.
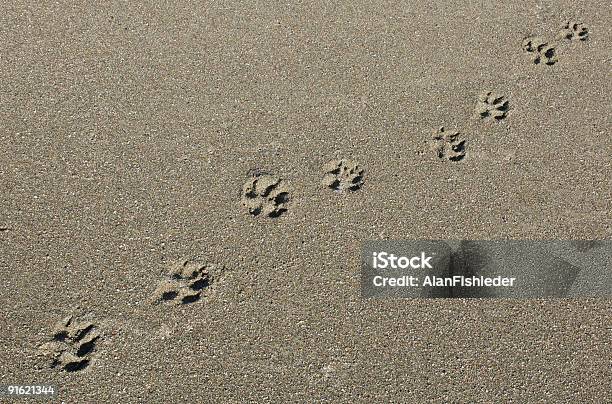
{"points": [[574, 31], [72, 346], [492, 106], [448, 145], [340, 175], [540, 51], [265, 194], [188, 281]]}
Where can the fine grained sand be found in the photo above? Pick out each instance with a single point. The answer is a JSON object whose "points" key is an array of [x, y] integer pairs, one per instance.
{"points": [[127, 133]]}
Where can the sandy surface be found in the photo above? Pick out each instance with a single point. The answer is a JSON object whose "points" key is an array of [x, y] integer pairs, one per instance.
{"points": [[127, 133]]}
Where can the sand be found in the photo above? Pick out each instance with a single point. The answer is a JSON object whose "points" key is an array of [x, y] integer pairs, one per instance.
{"points": [[130, 138]]}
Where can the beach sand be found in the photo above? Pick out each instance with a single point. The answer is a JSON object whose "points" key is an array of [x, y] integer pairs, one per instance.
{"points": [[135, 143]]}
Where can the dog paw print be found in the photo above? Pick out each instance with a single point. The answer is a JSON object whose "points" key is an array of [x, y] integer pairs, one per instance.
{"points": [[574, 31], [540, 51], [266, 195], [343, 175], [492, 106], [188, 281], [448, 145], [72, 345]]}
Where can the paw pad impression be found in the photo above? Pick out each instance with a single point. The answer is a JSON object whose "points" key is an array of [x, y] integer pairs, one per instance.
{"points": [[341, 175], [574, 31], [188, 281], [265, 195], [492, 106], [541, 52], [448, 145], [72, 345]]}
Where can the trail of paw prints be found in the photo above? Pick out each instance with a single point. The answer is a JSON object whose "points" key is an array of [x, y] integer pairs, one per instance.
{"points": [[188, 281], [573, 31], [448, 145], [343, 175], [492, 106], [265, 195], [72, 346], [541, 52]]}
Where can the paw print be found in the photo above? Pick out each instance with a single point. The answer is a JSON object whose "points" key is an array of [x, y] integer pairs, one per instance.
{"points": [[72, 345], [448, 145], [574, 31], [265, 194], [540, 51], [187, 281], [343, 174], [492, 106]]}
